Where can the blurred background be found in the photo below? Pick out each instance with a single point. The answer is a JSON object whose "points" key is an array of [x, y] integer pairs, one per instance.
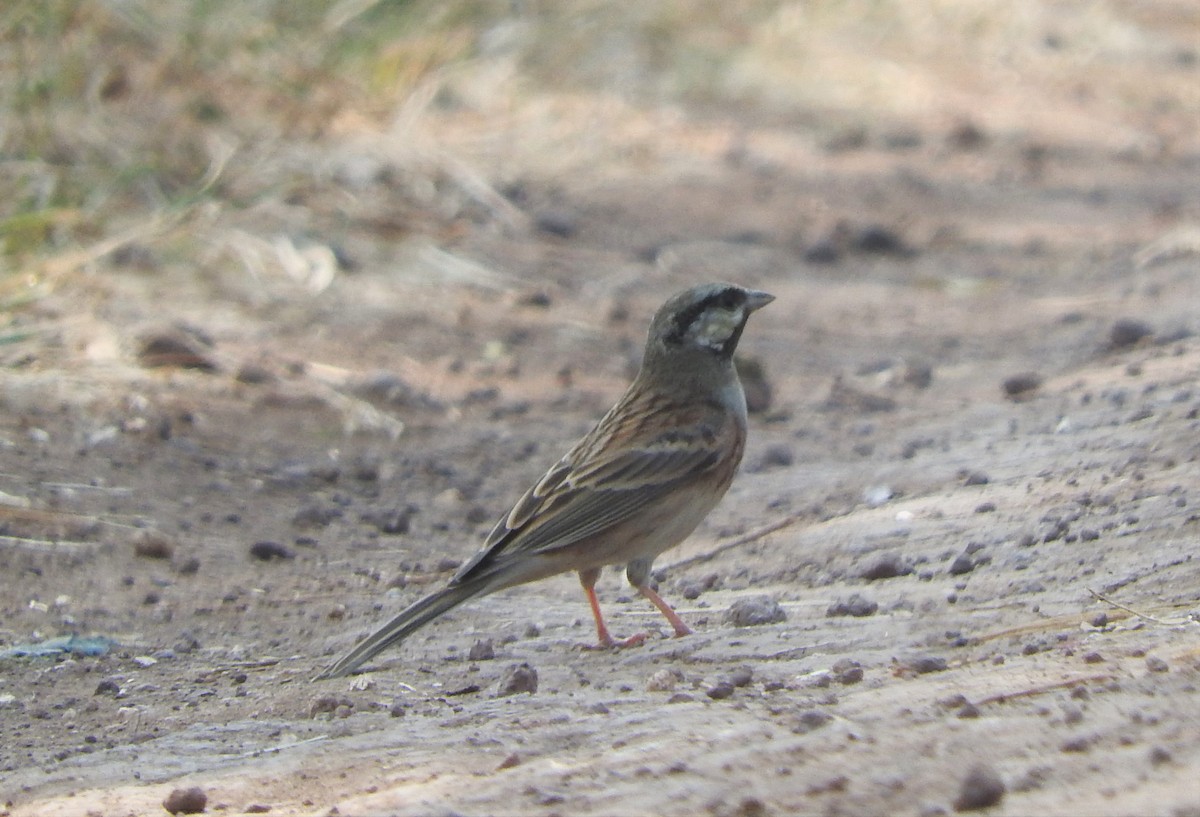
{"points": [[256, 152]]}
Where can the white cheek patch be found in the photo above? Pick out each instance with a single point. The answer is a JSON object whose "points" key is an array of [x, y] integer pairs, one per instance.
{"points": [[715, 327]]}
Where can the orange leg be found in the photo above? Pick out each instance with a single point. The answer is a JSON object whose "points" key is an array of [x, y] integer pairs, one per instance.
{"points": [[681, 629], [604, 639]]}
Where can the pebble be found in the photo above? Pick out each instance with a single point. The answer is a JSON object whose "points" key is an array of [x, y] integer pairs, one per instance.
{"points": [[328, 704], [152, 544], [927, 663], [482, 650], [980, 789], [887, 566], [962, 564], [857, 605], [811, 720], [516, 679], [664, 680], [1076, 744], [176, 347], [267, 551], [720, 690], [1127, 332], [1021, 385], [755, 611], [1156, 664], [742, 676], [186, 801], [1159, 755], [846, 672], [108, 687]]}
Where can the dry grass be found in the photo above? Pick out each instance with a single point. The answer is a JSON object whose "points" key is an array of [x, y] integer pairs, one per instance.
{"points": [[261, 136]]}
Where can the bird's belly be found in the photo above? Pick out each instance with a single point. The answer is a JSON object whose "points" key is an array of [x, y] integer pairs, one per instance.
{"points": [[657, 529]]}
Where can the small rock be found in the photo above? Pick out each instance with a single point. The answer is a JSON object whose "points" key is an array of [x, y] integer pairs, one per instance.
{"points": [[917, 375], [152, 544], [887, 566], [755, 611], [777, 456], [857, 605], [266, 551], [509, 762], [188, 567], [664, 680], [720, 690], [1076, 744], [822, 251], [1099, 620], [253, 374], [186, 801], [1156, 664], [556, 223], [757, 387], [328, 704], [880, 240], [1093, 658], [962, 564], [846, 671], [1020, 386], [741, 677], [966, 135], [314, 515], [981, 788], [927, 663], [397, 709], [1159, 755], [107, 687], [176, 346], [1127, 332], [811, 720], [482, 650], [985, 507], [392, 521], [447, 564], [976, 478], [516, 679]]}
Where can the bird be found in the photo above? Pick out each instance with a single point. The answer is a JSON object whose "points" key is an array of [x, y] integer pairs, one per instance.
{"points": [[633, 487]]}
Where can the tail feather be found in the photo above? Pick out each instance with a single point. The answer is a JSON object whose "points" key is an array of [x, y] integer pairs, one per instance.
{"points": [[401, 627]]}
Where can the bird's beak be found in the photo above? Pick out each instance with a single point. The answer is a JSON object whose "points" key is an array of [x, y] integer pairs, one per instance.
{"points": [[756, 300]]}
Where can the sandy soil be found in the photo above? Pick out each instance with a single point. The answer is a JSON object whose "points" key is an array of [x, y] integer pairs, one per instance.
{"points": [[978, 586]]}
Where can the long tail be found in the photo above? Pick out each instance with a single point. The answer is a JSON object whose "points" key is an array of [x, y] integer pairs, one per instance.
{"points": [[402, 626]]}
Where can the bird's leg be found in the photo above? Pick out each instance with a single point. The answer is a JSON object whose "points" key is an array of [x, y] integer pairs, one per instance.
{"points": [[681, 629], [604, 639]]}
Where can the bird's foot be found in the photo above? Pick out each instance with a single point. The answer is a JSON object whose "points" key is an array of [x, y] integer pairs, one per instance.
{"points": [[611, 643]]}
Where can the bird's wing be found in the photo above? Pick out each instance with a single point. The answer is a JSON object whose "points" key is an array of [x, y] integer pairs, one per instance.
{"points": [[619, 469]]}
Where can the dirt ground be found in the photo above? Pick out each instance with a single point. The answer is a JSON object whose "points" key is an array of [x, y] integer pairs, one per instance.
{"points": [[971, 490]]}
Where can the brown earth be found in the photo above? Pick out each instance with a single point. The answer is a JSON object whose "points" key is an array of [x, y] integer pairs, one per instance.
{"points": [[1022, 565]]}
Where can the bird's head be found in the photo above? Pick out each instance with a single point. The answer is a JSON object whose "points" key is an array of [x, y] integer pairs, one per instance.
{"points": [[707, 319]]}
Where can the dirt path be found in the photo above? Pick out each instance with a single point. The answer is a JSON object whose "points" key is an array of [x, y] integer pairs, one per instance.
{"points": [[936, 542]]}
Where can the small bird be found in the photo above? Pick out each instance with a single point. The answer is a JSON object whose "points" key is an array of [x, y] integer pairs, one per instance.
{"points": [[636, 485]]}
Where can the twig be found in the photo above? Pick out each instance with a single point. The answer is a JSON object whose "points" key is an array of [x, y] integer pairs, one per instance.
{"points": [[281, 747], [1169, 622], [738, 541], [44, 545], [1000, 697]]}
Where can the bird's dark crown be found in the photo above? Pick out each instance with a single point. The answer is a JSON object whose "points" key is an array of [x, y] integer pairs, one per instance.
{"points": [[710, 318]]}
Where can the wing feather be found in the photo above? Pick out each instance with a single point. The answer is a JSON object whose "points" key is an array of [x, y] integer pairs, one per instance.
{"points": [[611, 475]]}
